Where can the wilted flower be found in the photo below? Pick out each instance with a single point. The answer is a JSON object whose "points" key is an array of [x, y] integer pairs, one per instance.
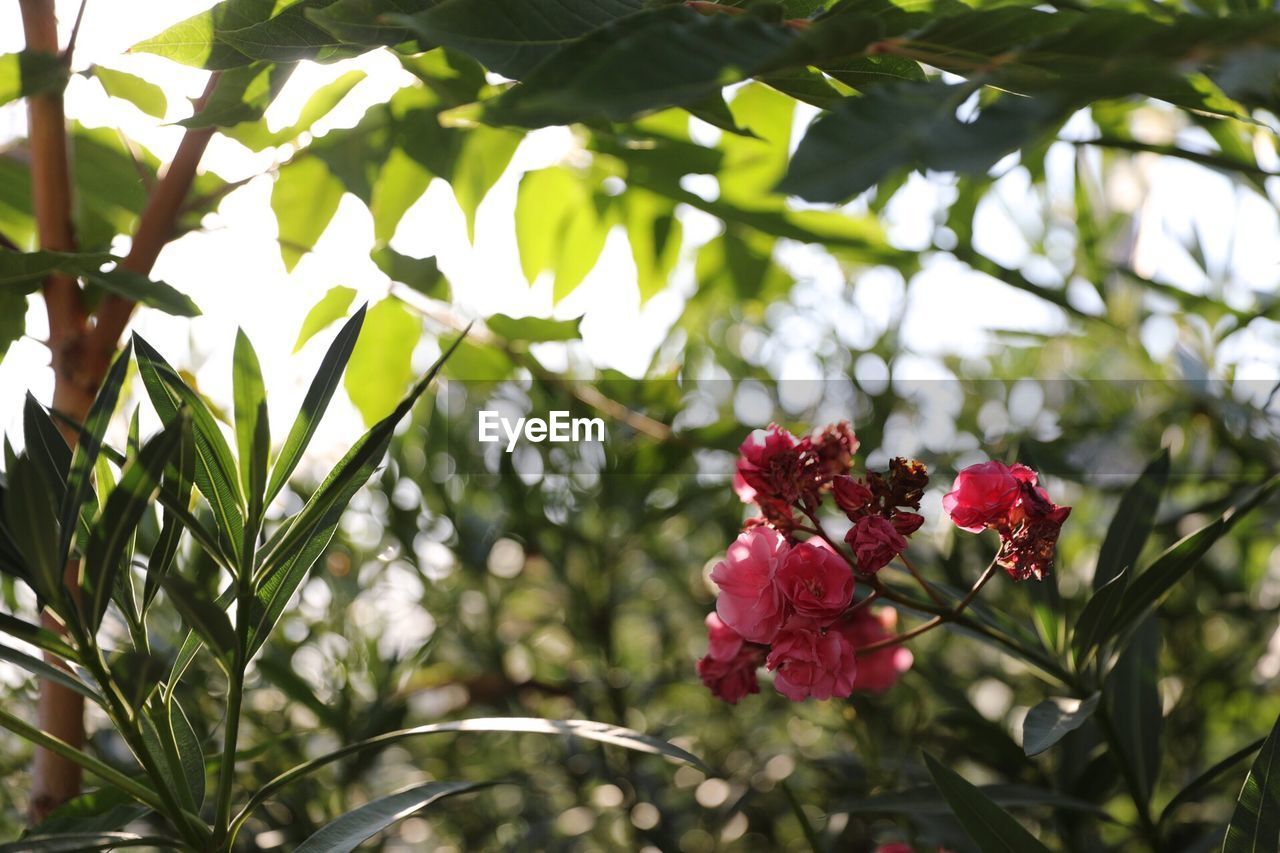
{"points": [[875, 542]]}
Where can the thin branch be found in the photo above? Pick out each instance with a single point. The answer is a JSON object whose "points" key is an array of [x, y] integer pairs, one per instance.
{"points": [[929, 591], [75, 33], [1215, 161], [156, 225], [936, 621]]}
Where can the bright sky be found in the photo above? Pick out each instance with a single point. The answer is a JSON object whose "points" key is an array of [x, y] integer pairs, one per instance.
{"points": [[234, 273]]}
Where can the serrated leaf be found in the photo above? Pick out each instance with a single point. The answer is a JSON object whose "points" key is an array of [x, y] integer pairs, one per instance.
{"points": [[242, 95], [1053, 719], [347, 832], [257, 136], [991, 827], [421, 274], [143, 94]]}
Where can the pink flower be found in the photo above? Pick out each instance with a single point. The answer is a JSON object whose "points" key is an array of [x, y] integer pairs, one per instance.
{"points": [[878, 670], [816, 580], [769, 465], [875, 542], [729, 668], [811, 662], [1029, 538], [983, 494], [750, 601]]}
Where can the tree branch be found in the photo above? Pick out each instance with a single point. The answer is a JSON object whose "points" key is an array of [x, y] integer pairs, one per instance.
{"points": [[156, 225]]}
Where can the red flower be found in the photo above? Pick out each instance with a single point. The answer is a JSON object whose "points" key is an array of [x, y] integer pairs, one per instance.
{"points": [[982, 495], [769, 465], [832, 449], [878, 670], [875, 542], [750, 601], [811, 662], [852, 496], [816, 581], [723, 643]]}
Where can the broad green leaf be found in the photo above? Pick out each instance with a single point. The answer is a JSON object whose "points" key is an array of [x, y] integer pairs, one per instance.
{"points": [[202, 615], [400, 183], [253, 440], [332, 307], [362, 21], [534, 329], [195, 40], [381, 365], [546, 200], [585, 231], [1093, 627], [1132, 695], [655, 235], [143, 94], [89, 445], [315, 403], [304, 198], [348, 832], [138, 288], [30, 73], [663, 57], [484, 156], [115, 525], [1181, 557], [137, 674], [257, 136], [421, 274], [242, 95], [511, 37], [591, 730], [13, 308], [1051, 721], [991, 827], [101, 810], [1132, 523], [1255, 823], [286, 37], [48, 672], [912, 126]]}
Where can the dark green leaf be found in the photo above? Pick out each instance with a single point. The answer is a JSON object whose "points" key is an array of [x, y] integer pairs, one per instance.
{"points": [[202, 615], [1051, 721], [28, 269], [349, 831], [253, 441], [991, 827], [1255, 823], [315, 403], [36, 636], [1132, 694], [114, 528], [46, 448], [48, 672], [87, 842], [1093, 627], [1132, 523], [242, 95], [30, 73], [32, 521]]}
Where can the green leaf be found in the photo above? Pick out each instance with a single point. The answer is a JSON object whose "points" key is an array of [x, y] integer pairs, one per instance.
{"points": [[253, 438], [484, 156], [911, 126], [137, 674], [1181, 557], [315, 403], [601, 732], [116, 523], [1132, 694], [1053, 719], [190, 753], [215, 472], [101, 810], [1202, 784], [48, 672], [35, 635], [203, 616], [421, 274], [546, 200], [361, 21], [927, 800], [382, 364], [286, 37], [511, 37], [1133, 521], [346, 833], [46, 447], [28, 269], [89, 445], [166, 733], [257, 136], [88, 842], [655, 235], [991, 827], [304, 198], [1093, 627], [30, 73], [138, 288], [195, 40], [332, 307], [667, 56], [242, 95], [534, 329], [143, 94], [175, 495], [32, 521]]}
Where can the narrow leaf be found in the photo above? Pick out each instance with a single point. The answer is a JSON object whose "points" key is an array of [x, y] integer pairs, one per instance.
{"points": [[349, 831], [991, 827], [251, 418], [1255, 824], [48, 672], [202, 615], [1132, 523], [1051, 721]]}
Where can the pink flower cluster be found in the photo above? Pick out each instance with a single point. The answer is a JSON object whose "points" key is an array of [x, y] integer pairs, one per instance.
{"points": [[789, 595], [1009, 499], [789, 604]]}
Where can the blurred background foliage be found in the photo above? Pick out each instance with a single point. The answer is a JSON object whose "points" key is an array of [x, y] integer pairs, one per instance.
{"points": [[561, 583]]}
